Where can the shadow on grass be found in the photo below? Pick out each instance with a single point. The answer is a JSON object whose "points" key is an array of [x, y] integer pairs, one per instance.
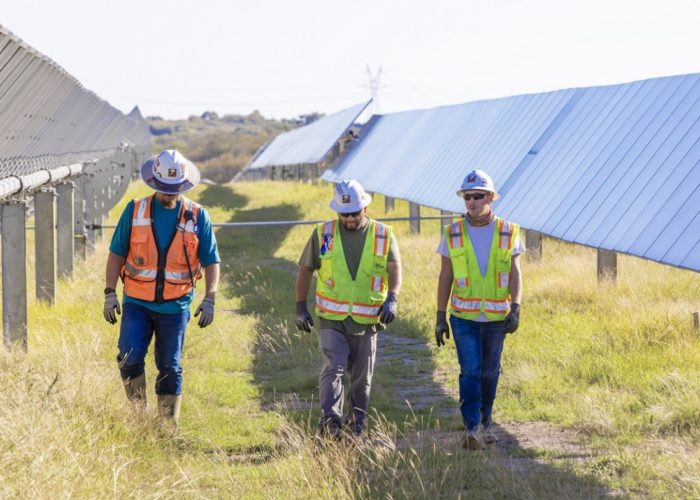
{"points": [[286, 364], [222, 197]]}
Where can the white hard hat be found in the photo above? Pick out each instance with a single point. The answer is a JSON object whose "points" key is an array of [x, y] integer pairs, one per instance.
{"points": [[349, 196], [480, 181], [170, 172]]}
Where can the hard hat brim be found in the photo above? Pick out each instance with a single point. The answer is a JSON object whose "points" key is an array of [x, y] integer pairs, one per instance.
{"points": [[496, 196], [189, 182], [351, 207]]}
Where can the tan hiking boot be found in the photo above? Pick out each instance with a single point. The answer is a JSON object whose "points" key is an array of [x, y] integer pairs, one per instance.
{"points": [[488, 434], [472, 441]]}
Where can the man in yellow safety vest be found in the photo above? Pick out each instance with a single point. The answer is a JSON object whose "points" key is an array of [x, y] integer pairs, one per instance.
{"points": [[480, 276], [358, 280]]}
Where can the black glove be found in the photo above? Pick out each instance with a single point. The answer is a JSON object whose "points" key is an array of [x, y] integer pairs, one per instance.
{"points": [[206, 309], [304, 319], [512, 319], [111, 308], [442, 328], [387, 312]]}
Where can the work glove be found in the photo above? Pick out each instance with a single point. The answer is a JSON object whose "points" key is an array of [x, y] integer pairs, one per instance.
{"points": [[387, 312], [111, 308], [512, 319], [442, 329], [304, 319], [206, 309]]}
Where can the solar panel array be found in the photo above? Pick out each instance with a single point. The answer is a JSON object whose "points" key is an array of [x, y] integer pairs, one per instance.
{"points": [[48, 119], [614, 167], [308, 144]]}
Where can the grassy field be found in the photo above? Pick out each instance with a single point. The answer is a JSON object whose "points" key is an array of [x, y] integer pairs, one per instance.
{"points": [[617, 368]]}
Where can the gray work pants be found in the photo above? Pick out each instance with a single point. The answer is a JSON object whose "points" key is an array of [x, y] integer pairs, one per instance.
{"points": [[355, 355]]}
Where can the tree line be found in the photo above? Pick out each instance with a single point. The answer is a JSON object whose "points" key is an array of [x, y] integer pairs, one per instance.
{"points": [[220, 146]]}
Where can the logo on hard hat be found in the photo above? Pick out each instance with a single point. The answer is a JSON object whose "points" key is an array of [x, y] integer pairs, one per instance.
{"points": [[346, 198], [471, 178], [172, 172]]}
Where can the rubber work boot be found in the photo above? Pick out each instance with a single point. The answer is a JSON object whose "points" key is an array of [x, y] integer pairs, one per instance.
{"points": [[169, 407], [136, 389]]}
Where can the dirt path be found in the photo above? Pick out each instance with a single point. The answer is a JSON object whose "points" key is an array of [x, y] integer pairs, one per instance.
{"points": [[426, 390], [423, 388]]}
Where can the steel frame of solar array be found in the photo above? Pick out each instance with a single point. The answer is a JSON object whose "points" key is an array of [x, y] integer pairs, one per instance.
{"points": [[66, 156]]}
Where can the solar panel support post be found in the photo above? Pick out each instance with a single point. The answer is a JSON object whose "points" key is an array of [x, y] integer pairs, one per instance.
{"points": [[607, 266], [64, 228], [45, 244], [79, 235], [389, 204], [89, 196], [414, 211], [533, 243], [14, 274], [445, 222]]}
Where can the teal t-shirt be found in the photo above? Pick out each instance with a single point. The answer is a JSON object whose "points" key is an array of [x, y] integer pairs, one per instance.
{"points": [[165, 221]]}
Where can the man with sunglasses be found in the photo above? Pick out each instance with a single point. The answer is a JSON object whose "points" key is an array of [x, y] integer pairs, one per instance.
{"points": [[480, 277], [159, 248], [358, 280]]}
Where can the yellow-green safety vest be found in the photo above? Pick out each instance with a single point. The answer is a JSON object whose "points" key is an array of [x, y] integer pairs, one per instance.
{"points": [[337, 295], [472, 293]]}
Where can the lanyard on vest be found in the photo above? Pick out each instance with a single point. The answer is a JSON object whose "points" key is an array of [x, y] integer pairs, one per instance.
{"points": [[189, 217]]}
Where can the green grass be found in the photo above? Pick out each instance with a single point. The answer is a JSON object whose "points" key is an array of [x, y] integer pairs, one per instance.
{"points": [[617, 366]]}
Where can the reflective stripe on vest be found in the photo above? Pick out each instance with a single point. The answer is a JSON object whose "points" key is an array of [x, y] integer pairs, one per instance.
{"points": [[474, 294], [337, 294], [140, 271], [331, 306]]}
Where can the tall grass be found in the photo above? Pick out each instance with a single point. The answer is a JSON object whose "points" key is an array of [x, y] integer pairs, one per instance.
{"points": [[617, 365]]}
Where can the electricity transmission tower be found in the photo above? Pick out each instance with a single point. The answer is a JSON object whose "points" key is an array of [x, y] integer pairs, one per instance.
{"points": [[374, 82]]}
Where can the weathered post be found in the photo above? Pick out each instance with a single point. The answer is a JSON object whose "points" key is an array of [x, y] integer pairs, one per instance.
{"points": [[45, 244], [414, 211], [533, 243], [607, 266], [389, 205], [79, 233], [64, 228], [446, 221], [14, 274]]}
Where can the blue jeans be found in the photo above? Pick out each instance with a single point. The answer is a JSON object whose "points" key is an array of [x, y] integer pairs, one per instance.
{"points": [[479, 348], [137, 328]]}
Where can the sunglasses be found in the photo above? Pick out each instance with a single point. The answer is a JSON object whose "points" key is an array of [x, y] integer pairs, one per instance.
{"points": [[350, 214], [473, 196]]}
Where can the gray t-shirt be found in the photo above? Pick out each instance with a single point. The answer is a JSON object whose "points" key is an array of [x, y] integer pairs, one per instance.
{"points": [[353, 245], [482, 239]]}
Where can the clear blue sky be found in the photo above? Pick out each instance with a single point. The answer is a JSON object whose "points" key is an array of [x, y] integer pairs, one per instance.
{"points": [[176, 58]]}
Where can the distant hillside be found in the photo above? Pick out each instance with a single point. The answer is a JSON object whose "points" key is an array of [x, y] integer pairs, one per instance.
{"points": [[220, 146]]}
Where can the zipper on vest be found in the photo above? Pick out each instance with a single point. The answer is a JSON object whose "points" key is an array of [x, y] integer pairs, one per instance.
{"points": [[162, 254]]}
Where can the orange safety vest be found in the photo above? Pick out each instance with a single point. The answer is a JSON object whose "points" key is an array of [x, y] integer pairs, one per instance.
{"points": [[158, 276]]}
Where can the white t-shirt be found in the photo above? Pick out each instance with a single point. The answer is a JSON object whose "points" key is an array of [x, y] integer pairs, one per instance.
{"points": [[482, 238]]}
